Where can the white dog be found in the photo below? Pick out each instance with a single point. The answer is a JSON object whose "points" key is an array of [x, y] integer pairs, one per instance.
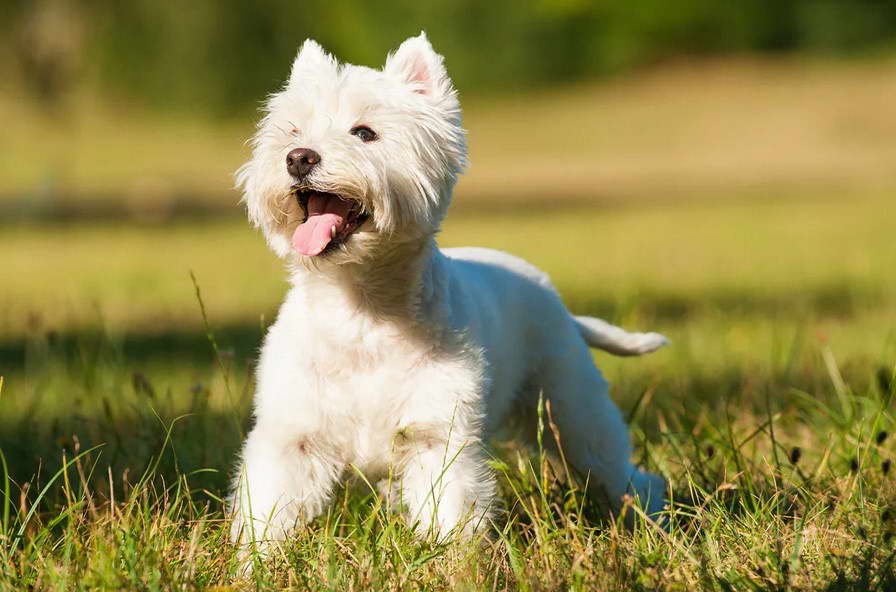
{"points": [[390, 356]]}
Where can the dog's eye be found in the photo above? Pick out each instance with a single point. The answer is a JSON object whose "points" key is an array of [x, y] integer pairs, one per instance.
{"points": [[365, 133]]}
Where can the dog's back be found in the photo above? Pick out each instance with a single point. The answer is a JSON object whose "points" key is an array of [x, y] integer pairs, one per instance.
{"points": [[526, 285]]}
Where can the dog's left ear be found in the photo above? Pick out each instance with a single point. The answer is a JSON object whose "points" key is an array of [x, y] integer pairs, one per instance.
{"points": [[418, 64]]}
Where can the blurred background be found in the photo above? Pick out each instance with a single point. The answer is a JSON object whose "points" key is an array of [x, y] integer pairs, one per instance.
{"points": [[722, 172]]}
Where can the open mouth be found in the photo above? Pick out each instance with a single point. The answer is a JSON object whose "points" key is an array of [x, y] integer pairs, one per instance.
{"points": [[330, 220]]}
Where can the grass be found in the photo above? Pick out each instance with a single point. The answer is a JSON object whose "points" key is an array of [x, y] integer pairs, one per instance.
{"points": [[781, 475], [727, 127], [771, 412], [786, 254]]}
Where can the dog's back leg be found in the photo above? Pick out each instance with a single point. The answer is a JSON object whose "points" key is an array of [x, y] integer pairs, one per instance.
{"points": [[593, 435]]}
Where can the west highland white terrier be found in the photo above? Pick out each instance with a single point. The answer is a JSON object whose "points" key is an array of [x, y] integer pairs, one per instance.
{"points": [[392, 357]]}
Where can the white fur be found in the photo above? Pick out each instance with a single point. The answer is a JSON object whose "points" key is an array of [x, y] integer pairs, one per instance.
{"points": [[392, 358]]}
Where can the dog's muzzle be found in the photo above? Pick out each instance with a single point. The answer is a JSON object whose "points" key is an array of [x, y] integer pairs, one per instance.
{"points": [[330, 220]]}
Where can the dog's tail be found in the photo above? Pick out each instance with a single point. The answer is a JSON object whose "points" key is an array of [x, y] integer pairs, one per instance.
{"points": [[616, 340]]}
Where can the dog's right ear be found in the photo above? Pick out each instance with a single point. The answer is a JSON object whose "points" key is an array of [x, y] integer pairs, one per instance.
{"points": [[311, 59]]}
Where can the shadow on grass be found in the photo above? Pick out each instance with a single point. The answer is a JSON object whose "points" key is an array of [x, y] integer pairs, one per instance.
{"points": [[841, 299], [196, 442], [239, 342], [155, 401], [65, 391]]}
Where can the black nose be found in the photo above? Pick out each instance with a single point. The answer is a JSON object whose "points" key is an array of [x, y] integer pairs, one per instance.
{"points": [[300, 161]]}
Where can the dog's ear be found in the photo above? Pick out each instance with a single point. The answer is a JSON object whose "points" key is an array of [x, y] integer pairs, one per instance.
{"points": [[418, 64], [310, 60]]}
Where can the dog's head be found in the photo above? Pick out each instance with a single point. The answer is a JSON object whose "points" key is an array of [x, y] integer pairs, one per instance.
{"points": [[348, 159]]}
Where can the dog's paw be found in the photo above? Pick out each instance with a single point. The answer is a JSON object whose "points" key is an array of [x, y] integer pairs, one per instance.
{"points": [[651, 491]]}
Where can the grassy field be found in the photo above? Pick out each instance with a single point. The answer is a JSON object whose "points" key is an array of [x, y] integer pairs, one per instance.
{"points": [[122, 406], [780, 255], [782, 318], [728, 128]]}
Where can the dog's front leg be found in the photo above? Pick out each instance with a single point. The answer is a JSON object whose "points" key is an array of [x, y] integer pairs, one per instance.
{"points": [[284, 481], [446, 487]]}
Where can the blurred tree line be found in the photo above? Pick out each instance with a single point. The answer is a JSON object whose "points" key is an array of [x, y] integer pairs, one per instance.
{"points": [[223, 56]]}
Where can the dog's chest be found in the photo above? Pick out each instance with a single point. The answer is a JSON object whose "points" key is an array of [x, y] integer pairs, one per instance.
{"points": [[353, 366], [369, 376], [360, 383], [379, 388]]}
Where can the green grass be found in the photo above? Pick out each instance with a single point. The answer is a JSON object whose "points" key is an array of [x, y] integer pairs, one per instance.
{"points": [[742, 208], [781, 313], [144, 510], [785, 254], [727, 126]]}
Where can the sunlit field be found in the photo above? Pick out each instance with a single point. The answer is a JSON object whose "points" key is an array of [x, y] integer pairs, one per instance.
{"points": [[762, 251], [729, 128], [785, 254]]}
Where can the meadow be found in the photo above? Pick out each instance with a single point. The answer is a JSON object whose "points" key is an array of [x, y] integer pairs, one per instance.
{"points": [[752, 230]]}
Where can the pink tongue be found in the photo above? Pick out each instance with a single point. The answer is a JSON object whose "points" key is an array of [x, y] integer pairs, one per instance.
{"points": [[324, 212]]}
